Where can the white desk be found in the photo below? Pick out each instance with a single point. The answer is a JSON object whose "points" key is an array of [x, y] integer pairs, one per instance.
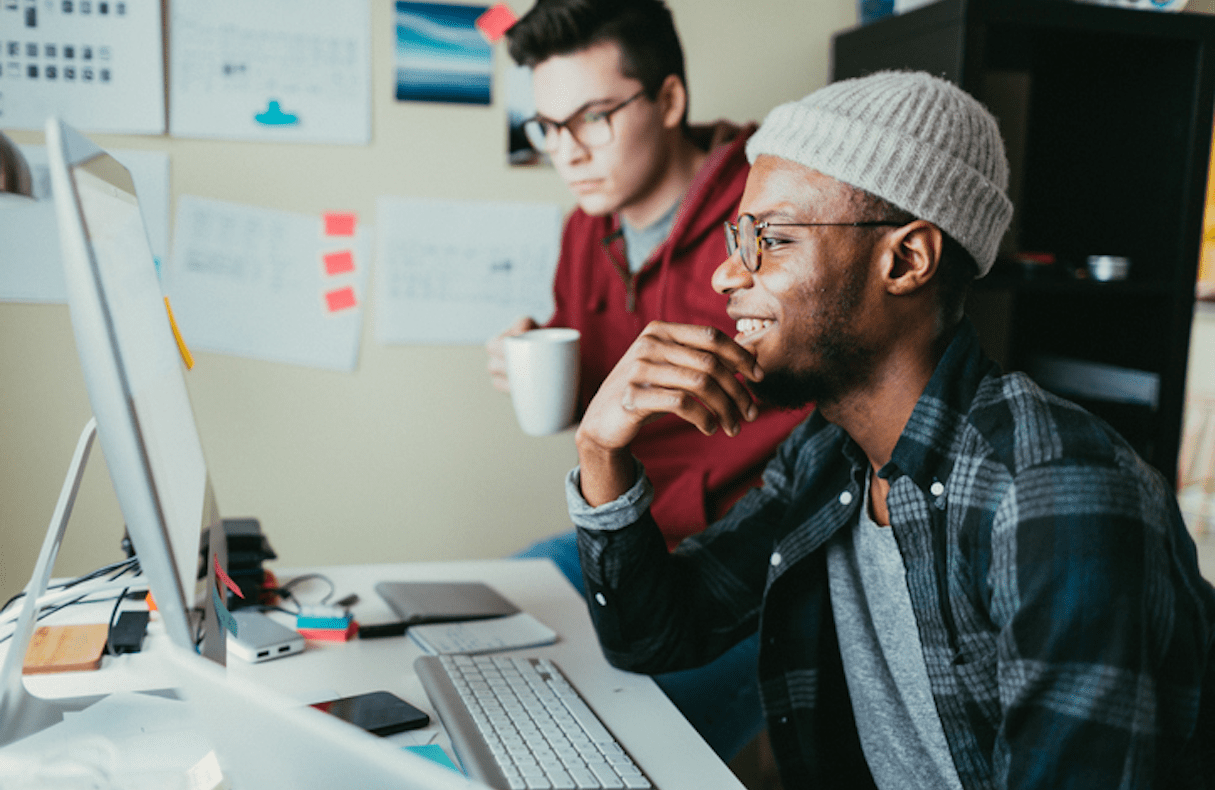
{"points": [[632, 706]]}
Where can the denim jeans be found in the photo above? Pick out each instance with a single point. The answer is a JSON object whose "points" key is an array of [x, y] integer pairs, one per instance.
{"points": [[720, 699]]}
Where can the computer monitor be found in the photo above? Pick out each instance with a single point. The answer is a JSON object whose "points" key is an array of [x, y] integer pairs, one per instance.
{"points": [[133, 373], [141, 413]]}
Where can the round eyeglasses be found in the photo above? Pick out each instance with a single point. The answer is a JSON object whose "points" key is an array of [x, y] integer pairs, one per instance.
{"points": [[743, 238], [590, 128]]}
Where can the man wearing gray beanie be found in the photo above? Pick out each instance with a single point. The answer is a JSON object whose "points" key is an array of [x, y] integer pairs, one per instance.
{"points": [[958, 579]]}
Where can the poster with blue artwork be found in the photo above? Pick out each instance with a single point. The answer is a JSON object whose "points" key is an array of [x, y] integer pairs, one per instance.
{"points": [[441, 56]]}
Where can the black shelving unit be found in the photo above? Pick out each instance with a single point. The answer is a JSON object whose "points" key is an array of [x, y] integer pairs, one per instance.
{"points": [[1107, 113]]}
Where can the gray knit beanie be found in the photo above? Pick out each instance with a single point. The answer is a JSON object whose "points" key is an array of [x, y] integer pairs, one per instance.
{"points": [[908, 137]]}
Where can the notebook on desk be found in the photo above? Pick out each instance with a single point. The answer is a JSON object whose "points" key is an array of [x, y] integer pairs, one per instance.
{"points": [[267, 741], [511, 632]]}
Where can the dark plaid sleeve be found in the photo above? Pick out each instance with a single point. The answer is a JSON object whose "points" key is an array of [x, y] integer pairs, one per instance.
{"points": [[1100, 655], [657, 611]]}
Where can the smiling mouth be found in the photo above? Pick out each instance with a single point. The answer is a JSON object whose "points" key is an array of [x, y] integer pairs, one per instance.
{"points": [[749, 327]]}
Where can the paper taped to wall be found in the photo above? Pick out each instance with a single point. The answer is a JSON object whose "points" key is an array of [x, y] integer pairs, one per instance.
{"points": [[460, 271], [250, 282], [286, 70], [30, 267]]}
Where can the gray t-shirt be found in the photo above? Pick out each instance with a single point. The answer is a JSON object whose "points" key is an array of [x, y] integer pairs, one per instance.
{"points": [[640, 242], [896, 717]]}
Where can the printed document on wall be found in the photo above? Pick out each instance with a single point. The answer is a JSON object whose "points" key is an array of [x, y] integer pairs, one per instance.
{"points": [[97, 65], [460, 272], [277, 70], [261, 283], [31, 269]]}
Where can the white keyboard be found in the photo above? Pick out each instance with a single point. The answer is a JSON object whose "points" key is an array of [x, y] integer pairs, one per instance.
{"points": [[517, 724]]}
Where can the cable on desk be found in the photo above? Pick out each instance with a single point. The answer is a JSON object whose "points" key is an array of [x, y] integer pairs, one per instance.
{"points": [[284, 591], [198, 616], [109, 631], [128, 567], [128, 563], [120, 569]]}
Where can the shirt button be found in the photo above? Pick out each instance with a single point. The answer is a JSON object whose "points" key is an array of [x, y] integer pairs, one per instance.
{"points": [[937, 488], [845, 497], [775, 558], [600, 599]]}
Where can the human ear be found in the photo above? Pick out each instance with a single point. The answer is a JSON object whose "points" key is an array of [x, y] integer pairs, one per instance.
{"points": [[673, 101], [914, 254]]}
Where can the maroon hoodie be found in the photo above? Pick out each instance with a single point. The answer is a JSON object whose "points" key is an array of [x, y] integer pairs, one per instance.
{"points": [[696, 477]]}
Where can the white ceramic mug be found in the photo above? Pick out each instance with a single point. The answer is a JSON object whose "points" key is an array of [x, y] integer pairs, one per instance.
{"points": [[542, 367]]}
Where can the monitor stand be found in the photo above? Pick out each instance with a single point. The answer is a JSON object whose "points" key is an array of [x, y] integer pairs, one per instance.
{"points": [[22, 713]]}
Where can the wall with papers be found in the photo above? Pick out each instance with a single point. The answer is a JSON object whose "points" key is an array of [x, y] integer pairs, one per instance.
{"points": [[352, 433]]}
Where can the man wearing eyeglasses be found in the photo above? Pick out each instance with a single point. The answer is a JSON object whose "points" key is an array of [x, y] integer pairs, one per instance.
{"points": [[652, 193], [958, 580]]}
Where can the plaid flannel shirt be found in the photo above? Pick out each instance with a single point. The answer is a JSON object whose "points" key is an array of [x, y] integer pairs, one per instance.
{"points": [[1067, 632]]}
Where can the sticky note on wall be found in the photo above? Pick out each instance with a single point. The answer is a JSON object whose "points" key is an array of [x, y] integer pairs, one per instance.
{"points": [[340, 299], [340, 262], [339, 223], [494, 23]]}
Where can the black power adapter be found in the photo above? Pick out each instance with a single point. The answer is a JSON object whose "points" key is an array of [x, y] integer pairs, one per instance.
{"points": [[127, 634]]}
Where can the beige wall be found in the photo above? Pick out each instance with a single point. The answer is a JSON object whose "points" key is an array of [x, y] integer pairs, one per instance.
{"points": [[413, 456]]}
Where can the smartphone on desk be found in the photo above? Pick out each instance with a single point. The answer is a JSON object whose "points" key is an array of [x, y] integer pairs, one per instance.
{"points": [[378, 712]]}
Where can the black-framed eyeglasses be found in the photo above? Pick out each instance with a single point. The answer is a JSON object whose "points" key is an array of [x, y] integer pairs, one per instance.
{"points": [[743, 238], [590, 128]]}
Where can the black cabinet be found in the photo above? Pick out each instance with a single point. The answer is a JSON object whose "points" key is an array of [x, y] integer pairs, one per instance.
{"points": [[1107, 116]]}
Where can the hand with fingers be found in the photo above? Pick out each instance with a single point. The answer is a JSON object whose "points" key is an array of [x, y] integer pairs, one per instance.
{"points": [[497, 354], [691, 371]]}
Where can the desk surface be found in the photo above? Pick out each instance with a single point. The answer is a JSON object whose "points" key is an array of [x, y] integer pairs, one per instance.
{"points": [[632, 706]]}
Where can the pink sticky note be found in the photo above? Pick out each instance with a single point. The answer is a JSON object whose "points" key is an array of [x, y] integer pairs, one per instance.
{"points": [[227, 582], [340, 223], [340, 299], [338, 262], [494, 23]]}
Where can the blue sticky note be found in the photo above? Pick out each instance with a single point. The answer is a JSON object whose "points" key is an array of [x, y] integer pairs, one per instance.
{"points": [[434, 752], [333, 623], [225, 617]]}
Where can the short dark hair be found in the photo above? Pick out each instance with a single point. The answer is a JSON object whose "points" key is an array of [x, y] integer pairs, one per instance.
{"points": [[956, 270], [643, 29]]}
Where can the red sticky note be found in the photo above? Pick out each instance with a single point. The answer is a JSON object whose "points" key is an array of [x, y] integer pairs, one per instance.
{"points": [[223, 577], [340, 299], [338, 262], [340, 223], [331, 634], [494, 23]]}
